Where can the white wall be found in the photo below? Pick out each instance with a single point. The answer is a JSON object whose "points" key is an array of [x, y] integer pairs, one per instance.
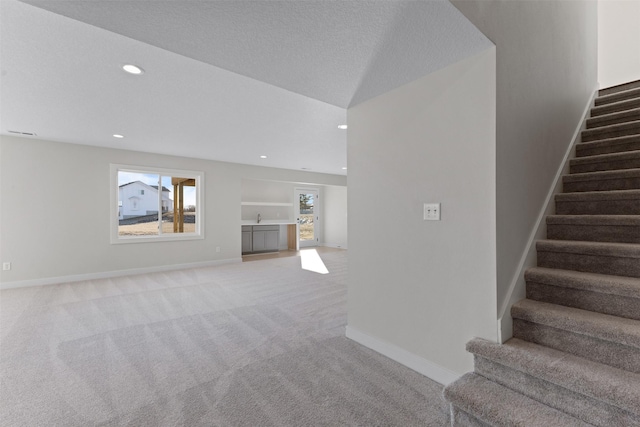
{"points": [[424, 288], [334, 203], [267, 191], [618, 42], [332, 228], [546, 58], [55, 210]]}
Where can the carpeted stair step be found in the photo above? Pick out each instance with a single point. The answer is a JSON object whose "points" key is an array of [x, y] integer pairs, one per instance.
{"points": [[618, 202], [614, 295], [619, 88], [576, 345], [624, 179], [594, 228], [605, 162], [592, 392], [621, 259], [614, 118], [618, 96], [476, 401], [628, 104], [605, 146], [459, 418], [611, 131], [602, 338]]}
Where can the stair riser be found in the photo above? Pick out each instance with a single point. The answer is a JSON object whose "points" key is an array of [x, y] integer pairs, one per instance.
{"points": [[629, 163], [620, 96], [620, 117], [606, 133], [599, 207], [583, 407], [615, 305], [613, 265], [608, 147], [606, 352], [616, 107], [594, 233], [632, 183]]}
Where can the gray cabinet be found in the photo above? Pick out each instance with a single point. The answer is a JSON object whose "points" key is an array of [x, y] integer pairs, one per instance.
{"points": [[258, 241], [247, 239], [260, 238], [272, 239]]}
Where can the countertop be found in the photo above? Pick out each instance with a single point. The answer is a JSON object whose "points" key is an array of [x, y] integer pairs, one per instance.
{"points": [[268, 222]]}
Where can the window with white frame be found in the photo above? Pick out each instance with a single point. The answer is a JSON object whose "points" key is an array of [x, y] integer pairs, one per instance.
{"points": [[150, 204]]}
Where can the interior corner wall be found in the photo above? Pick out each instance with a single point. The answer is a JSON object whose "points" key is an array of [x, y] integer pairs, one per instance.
{"points": [[546, 57], [55, 211], [424, 288]]}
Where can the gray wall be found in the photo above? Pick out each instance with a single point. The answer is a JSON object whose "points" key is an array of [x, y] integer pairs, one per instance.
{"points": [[419, 290], [54, 217], [546, 57]]}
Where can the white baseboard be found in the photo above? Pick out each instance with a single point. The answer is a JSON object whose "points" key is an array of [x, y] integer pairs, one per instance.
{"points": [[402, 356], [115, 273], [528, 259]]}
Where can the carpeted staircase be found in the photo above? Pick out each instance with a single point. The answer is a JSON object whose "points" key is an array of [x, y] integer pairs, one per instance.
{"points": [[574, 359]]}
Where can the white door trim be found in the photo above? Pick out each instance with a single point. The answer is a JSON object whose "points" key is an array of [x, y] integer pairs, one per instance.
{"points": [[316, 213]]}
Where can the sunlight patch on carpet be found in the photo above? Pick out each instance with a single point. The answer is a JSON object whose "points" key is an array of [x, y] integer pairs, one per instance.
{"points": [[310, 260]]}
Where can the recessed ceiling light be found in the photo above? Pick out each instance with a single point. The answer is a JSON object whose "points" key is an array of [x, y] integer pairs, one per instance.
{"points": [[115, 135], [342, 127], [263, 157], [344, 169], [132, 69]]}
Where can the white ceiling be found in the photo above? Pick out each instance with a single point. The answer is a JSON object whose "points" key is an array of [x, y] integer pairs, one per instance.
{"points": [[224, 80]]}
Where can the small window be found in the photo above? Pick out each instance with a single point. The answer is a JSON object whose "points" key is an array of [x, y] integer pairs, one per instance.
{"points": [[155, 204]]}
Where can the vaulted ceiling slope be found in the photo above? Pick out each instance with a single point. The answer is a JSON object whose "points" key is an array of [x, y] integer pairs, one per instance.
{"points": [[339, 52], [230, 80]]}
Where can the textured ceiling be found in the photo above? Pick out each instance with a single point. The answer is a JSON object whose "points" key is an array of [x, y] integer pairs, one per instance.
{"points": [[224, 80], [339, 52]]}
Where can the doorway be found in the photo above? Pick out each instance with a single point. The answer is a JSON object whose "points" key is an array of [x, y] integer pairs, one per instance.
{"points": [[307, 216]]}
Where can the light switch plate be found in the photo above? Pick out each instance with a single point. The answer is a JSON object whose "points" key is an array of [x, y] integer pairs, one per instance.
{"points": [[432, 211]]}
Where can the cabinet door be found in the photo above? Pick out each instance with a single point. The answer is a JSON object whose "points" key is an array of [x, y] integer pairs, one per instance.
{"points": [[272, 240], [247, 245], [258, 241]]}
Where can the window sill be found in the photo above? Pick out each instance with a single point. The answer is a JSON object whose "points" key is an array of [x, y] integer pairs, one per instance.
{"points": [[151, 239]]}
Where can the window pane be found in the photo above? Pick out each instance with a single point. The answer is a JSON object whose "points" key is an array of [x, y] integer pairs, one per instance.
{"points": [[178, 205], [306, 217], [137, 208], [155, 204]]}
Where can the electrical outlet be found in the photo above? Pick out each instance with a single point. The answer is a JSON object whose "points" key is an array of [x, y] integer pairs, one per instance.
{"points": [[431, 212], [217, 248], [6, 266]]}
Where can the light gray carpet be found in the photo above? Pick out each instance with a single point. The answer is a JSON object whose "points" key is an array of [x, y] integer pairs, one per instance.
{"points": [[252, 344]]}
